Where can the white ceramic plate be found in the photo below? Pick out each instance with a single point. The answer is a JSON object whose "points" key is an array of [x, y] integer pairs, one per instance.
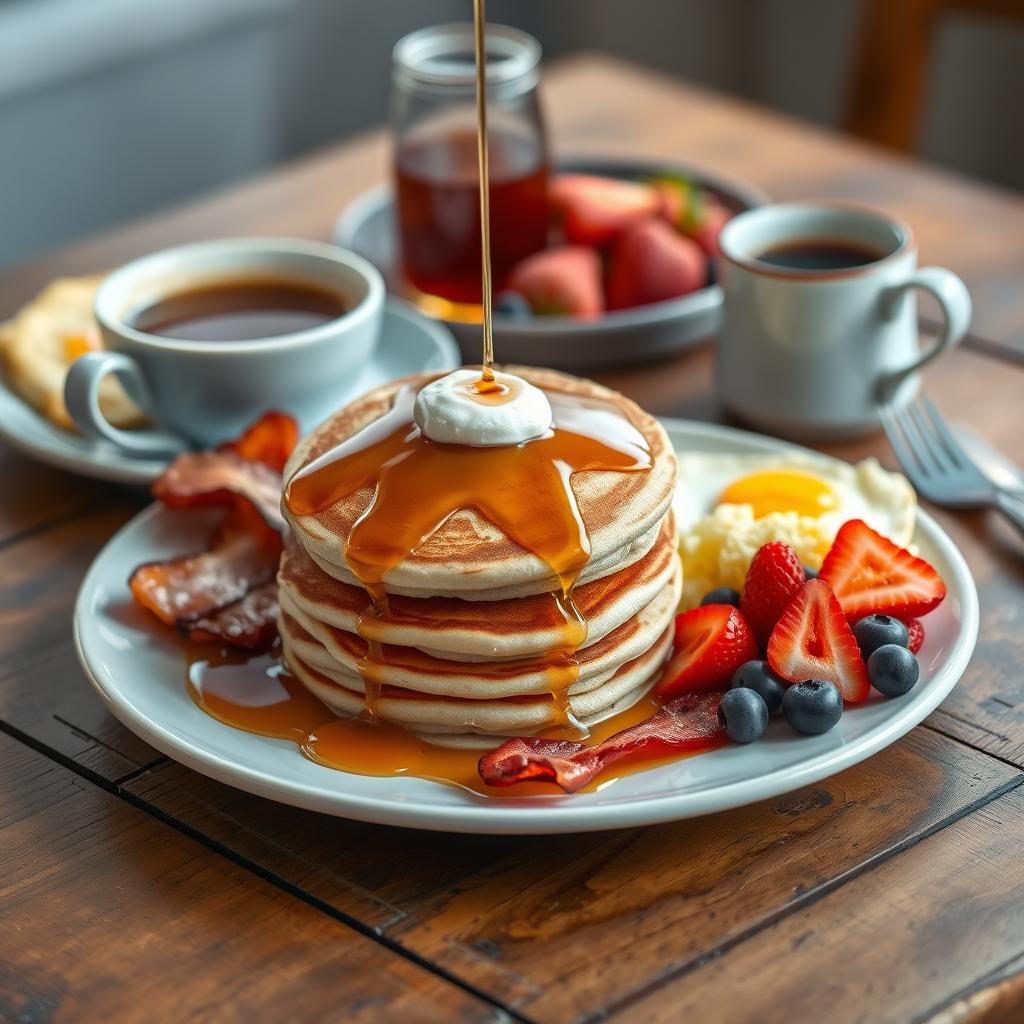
{"points": [[137, 668], [409, 343], [627, 336]]}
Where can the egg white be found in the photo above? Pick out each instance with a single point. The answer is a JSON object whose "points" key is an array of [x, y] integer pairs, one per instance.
{"points": [[717, 541]]}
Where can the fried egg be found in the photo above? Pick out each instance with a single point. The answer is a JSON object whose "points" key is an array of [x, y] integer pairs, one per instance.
{"points": [[727, 506]]}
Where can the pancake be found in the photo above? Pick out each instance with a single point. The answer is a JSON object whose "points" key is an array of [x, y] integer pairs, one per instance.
{"points": [[463, 630], [337, 654], [447, 721], [468, 555]]}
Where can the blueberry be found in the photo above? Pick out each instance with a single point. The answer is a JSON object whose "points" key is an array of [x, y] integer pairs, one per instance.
{"points": [[813, 706], [512, 304], [723, 595], [875, 630], [743, 714], [811, 574], [757, 676], [893, 670]]}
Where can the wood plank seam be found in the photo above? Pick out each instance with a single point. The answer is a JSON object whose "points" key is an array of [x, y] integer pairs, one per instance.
{"points": [[974, 725], [292, 890], [100, 743], [804, 900], [967, 742], [55, 755], [1007, 969], [63, 519], [141, 770]]}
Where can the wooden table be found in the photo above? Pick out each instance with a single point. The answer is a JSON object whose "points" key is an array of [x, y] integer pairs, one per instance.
{"points": [[132, 888]]}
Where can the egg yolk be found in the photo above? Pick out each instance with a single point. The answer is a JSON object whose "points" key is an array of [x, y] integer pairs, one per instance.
{"points": [[781, 490]]}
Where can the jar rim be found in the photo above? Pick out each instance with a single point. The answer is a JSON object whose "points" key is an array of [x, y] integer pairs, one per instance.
{"points": [[445, 55]]}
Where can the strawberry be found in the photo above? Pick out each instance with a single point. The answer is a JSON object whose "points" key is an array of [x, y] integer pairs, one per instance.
{"points": [[774, 576], [708, 228], [916, 631], [565, 280], [813, 640], [595, 210], [711, 642], [694, 212], [650, 263], [871, 575]]}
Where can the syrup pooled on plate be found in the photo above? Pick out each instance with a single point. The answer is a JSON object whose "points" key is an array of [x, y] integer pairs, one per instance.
{"points": [[256, 694], [525, 490]]}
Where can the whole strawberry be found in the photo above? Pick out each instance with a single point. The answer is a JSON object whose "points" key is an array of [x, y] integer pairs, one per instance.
{"points": [[652, 262], [563, 281], [774, 576]]}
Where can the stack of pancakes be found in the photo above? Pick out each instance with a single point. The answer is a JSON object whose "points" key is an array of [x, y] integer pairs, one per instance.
{"points": [[472, 635]]}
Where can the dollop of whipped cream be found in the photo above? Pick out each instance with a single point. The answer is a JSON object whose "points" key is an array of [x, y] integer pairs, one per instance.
{"points": [[451, 410]]}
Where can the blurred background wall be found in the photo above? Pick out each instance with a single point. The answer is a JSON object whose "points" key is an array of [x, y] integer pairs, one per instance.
{"points": [[110, 108]]}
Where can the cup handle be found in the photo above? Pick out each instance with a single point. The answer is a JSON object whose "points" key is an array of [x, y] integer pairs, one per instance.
{"points": [[952, 295], [81, 396]]}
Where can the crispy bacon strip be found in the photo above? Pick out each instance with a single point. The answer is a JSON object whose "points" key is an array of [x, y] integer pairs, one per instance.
{"points": [[250, 623], [228, 592], [269, 440], [689, 723], [221, 478], [183, 590]]}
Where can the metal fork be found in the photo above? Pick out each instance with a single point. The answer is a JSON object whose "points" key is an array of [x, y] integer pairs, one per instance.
{"points": [[939, 467]]}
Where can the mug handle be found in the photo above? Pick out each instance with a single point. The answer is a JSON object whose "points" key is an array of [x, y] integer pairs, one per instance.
{"points": [[81, 396], [952, 295]]}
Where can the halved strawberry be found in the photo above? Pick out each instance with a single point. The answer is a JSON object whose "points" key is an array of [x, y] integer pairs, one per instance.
{"points": [[563, 281], [870, 575], [774, 576], [711, 642], [595, 210], [916, 631], [813, 640]]}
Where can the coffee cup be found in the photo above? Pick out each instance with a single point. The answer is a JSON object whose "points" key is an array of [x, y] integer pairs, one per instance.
{"points": [[820, 320], [199, 391]]}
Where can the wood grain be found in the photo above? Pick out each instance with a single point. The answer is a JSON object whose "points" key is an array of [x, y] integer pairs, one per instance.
{"points": [[111, 915], [514, 916], [895, 940], [35, 496], [598, 105], [43, 693]]}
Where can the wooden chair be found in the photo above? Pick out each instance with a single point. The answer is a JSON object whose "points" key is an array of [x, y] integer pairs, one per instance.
{"points": [[890, 67]]}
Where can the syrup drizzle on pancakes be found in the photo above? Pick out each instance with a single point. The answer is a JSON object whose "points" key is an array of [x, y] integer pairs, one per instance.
{"points": [[525, 490]]}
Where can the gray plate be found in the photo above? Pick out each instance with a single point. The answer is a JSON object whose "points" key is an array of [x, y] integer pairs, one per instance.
{"points": [[626, 336]]}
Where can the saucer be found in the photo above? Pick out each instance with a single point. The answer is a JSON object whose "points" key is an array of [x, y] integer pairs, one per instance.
{"points": [[617, 338], [409, 343]]}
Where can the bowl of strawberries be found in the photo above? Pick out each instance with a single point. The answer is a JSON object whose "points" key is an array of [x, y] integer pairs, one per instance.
{"points": [[629, 273]]}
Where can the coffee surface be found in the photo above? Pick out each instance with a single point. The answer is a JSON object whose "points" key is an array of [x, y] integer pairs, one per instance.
{"points": [[246, 309], [819, 254]]}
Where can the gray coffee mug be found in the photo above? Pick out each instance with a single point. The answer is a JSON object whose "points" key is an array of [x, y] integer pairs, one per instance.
{"points": [[199, 393]]}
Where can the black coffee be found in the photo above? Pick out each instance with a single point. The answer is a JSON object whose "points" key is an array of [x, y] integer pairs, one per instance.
{"points": [[240, 310], [819, 254]]}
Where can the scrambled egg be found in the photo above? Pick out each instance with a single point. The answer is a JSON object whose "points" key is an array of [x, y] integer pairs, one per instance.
{"points": [[729, 505]]}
